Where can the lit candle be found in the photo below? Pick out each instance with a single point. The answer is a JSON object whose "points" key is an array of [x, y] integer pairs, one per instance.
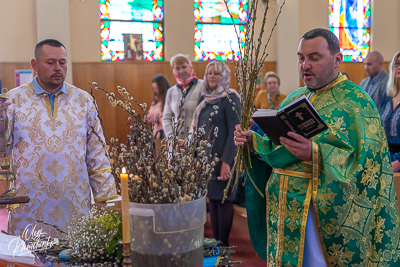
{"points": [[125, 207]]}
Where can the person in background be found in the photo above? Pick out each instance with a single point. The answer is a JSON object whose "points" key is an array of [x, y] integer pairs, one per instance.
{"points": [[222, 120], [56, 144], [375, 83], [389, 109], [271, 97], [160, 86], [188, 87]]}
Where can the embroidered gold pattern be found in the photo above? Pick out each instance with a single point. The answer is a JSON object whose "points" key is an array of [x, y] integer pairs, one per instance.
{"points": [[52, 158], [102, 199], [100, 171], [292, 173]]}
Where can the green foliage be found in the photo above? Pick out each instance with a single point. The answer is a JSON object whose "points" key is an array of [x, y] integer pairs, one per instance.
{"points": [[94, 237]]}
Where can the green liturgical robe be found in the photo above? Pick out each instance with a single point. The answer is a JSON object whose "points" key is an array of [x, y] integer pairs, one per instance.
{"points": [[349, 182]]}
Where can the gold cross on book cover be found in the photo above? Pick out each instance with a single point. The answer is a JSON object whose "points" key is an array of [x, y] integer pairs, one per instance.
{"points": [[299, 117]]}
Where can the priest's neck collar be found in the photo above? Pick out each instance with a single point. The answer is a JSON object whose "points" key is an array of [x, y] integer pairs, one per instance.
{"points": [[340, 78]]}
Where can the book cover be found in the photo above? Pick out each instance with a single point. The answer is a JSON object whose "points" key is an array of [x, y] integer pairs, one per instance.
{"points": [[299, 117]]}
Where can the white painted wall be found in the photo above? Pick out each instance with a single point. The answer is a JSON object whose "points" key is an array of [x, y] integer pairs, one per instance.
{"points": [[53, 22]]}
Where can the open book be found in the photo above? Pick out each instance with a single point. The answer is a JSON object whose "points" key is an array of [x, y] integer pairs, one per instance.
{"points": [[299, 117], [13, 248]]}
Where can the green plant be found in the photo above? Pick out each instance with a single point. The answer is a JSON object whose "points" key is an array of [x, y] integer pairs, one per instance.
{"points": [[93, 238]]}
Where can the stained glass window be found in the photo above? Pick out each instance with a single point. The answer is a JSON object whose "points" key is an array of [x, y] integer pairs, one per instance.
{"points": [[350, 21], [215, 36], [132, 29]]}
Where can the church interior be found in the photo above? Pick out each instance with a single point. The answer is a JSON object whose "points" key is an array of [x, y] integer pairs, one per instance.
{"points": [[81, 25]]}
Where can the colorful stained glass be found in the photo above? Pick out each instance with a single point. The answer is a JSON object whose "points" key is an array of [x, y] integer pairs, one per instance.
{"points": [[217, 42], [215, 37], [350, 21], [122, 17], [212, 11]]}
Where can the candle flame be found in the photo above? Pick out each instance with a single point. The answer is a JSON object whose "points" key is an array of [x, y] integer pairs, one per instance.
{"points": [[124, 170]]}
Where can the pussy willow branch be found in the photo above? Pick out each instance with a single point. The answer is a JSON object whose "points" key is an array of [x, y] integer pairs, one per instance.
{"points": [[272, 30], [98, 114], [251, 62], [177, 174]]}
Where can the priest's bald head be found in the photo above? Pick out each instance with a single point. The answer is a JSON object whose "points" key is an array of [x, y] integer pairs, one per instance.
{"points": [[318, 58]]}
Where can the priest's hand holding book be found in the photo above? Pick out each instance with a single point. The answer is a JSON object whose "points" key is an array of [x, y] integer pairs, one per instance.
{"points": [[299, 146]]}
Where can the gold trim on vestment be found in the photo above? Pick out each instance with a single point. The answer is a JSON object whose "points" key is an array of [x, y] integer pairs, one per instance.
{"points": [[340, 78], [12, 207], [55, 107], [292, 173], [315, 181], [304, 223], [254, 139], [48, 105], [267, 217], [102, 199], [100, 171], [281, 218], [52, 115]]}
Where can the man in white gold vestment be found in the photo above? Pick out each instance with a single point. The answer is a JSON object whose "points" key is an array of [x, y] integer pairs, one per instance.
{"points": [[57, 157]]}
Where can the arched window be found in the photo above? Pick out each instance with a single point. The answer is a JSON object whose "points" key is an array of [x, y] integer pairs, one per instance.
{"points": [[350, 21], [214, 35], [132, 30]]}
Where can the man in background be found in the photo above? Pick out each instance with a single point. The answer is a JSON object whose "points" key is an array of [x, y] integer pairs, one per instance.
{"points": [[375, 83]]}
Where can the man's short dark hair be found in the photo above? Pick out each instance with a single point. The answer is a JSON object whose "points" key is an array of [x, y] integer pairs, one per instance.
{"points": [[51, 42], [331, 39]]}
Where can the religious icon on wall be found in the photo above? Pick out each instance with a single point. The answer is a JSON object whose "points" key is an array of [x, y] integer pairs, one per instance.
{"points": [[133, 46]]}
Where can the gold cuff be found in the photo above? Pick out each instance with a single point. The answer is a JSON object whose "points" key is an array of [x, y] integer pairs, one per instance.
{"points": [[100, 171], [11, 207], [102, 199]]}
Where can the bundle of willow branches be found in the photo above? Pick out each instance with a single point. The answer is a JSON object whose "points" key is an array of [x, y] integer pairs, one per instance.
{"points": [[175, 171], [252, 58]]}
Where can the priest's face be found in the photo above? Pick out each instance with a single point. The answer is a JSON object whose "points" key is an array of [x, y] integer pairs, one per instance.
{"points": [[51, 67], [317, 66]]}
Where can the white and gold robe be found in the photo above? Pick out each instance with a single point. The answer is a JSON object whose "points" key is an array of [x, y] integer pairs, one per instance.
{"points": [[57, 157]]}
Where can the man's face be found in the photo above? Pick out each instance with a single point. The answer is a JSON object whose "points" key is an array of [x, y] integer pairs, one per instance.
{"points": [[51, 67], [182, 70], [317, 67], [272, 85], [372, 65]]}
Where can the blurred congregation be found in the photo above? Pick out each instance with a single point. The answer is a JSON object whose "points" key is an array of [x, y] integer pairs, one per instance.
{"points": [[202, 84]]}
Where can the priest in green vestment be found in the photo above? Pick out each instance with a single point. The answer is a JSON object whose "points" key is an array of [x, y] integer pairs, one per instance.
{"points": [[329, 200]]}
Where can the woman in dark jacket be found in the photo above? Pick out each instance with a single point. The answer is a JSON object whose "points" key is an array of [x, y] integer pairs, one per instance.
{"points": [[218, 117]]}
